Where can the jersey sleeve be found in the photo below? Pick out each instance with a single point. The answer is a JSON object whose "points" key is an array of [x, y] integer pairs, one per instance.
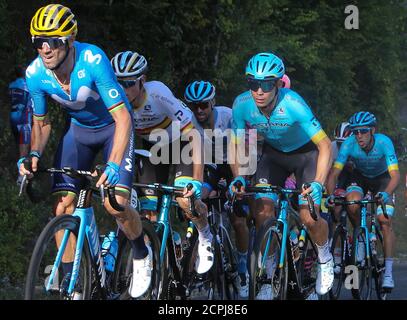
{"points": [[175, 109], [390, 154], [343, 154], [109, 89], [38, 97], [307, 120]]}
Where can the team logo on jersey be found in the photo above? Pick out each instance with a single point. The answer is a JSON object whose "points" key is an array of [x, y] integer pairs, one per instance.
{"points": [[92, 58], [392, 157], [315, 122], [179, 173], [263, 181], [81, 74], [113, 93], [147, 107], [280, 111]]}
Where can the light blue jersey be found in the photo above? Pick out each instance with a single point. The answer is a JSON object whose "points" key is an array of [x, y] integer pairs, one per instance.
{"points": [[21, 105], [381, 158], [94, 90], [291, 124]]}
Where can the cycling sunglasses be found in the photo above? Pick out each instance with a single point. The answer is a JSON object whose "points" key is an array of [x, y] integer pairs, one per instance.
{"points": [[52, 43], [200, 105], [265, 85], [360, 131], [127, 83]]}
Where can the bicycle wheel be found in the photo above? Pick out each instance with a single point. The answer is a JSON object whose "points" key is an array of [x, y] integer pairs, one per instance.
{"points": [[39, 286], [338, 245], [362, 281], [229, 266], [266, 275], [378, 264], [124, 266]]}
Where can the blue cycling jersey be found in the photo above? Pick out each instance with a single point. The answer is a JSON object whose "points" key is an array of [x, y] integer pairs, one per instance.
{"points": [[21, 106], [381, 158], [290, 126], [94, 90]]}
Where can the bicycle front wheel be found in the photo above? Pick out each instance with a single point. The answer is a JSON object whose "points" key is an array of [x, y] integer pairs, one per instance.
{"points": [[378, 264], [45, 278], [362, 280], [268, 279]]}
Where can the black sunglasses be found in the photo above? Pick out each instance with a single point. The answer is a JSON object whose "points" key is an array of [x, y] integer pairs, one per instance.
{"points": [[127, 83], [200, 105], [360, 131], [53, 43], [265, 85]]}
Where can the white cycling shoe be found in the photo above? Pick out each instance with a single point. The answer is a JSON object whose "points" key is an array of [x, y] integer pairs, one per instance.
{"points": [[141, 279], [265, 292], [388, 282], [325, 277], [205, 256], [243, 285]]}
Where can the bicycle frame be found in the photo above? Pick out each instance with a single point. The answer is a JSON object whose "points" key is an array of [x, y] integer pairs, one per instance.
{"points": [[87, 230]]}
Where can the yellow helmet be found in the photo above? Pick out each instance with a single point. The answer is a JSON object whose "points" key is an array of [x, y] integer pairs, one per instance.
{"points": [[53, 20]]}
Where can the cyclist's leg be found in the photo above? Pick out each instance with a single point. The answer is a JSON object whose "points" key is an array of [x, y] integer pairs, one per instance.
{"points": [[356, 189], [205, 248], [148, 174], [306, 166], [129, 220], [389, 238]]}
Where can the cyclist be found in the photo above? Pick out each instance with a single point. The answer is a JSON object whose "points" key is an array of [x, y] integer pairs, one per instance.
{"points": [[294, 143], [79, 77], [214, 124], [157, 112], [21, 111], [376, 170]]}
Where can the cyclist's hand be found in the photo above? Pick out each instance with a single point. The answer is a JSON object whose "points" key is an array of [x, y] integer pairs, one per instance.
{"points": [[384, 196], [233, 189], [329, 201], [196, 191], [110, 176], [32, 162], [315, 190]]}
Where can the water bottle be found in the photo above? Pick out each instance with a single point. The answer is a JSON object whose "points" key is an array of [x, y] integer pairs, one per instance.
{"points": [[177, 244], [109, 250], [294, 245]]}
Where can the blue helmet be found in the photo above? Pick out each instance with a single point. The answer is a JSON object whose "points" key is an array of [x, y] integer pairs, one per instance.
{"points": [[265, 66], [199, 91], [362, 118]]}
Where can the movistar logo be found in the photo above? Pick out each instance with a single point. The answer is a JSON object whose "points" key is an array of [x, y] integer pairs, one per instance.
{"points": [[92, 58]]}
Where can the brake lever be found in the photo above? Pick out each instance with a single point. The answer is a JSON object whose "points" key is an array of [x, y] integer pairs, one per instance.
{"points": [[23, 185]]}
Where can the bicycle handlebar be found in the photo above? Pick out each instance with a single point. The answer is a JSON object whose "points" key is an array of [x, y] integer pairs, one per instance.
{"points": [[377, 200], [73, 173]]}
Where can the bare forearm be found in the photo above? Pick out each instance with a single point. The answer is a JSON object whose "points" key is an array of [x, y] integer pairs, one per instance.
{"points": [[197, 156], [324, 160], [41, 131], [332, 179], [121, 138], [394, 181]]}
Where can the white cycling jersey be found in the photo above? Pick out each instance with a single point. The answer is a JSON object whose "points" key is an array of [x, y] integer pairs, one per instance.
{"points": [[216, 142], [158, 111]]}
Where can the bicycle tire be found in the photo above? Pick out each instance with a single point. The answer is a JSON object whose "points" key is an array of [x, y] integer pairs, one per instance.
{"points": [[378, 265], [258, 276], [124, 266], [230, 267], [364, 278], [339, 237], [59, 223]]}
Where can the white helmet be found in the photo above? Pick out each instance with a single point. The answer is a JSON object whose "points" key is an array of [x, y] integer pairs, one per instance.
{"points": [[129, 64]]}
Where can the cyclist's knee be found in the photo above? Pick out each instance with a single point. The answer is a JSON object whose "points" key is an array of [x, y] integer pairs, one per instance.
{"points": [[239, 224], [64, 202]]}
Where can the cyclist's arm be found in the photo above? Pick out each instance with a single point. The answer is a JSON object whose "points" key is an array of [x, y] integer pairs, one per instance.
{"points": [[237, 141], [41, 130], [392, 165], [341, 159], [324, 161], [122, 133], [332, 179]]}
